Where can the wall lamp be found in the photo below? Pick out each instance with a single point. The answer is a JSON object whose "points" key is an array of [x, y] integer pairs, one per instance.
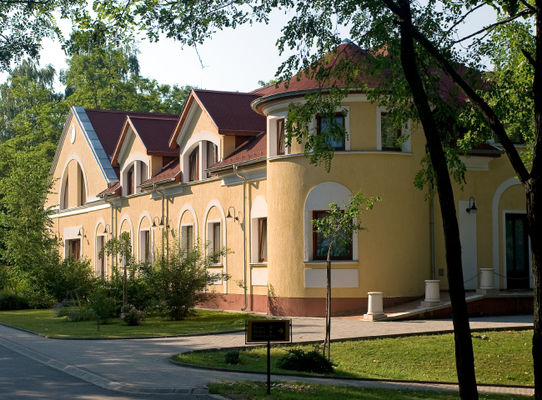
{"points": [[472, 209], [233, 214], [107, 228], [81, 232], [159, 224]]}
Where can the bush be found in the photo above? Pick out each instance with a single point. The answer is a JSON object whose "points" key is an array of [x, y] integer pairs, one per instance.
{"points": [[131, 315], [68, 279], [232, 357], [103, 303], [311, 361], [12, 301], [179, 280], [78, 314]]}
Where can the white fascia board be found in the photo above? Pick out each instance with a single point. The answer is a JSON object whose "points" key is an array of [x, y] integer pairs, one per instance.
{"points": [[94, 143]]}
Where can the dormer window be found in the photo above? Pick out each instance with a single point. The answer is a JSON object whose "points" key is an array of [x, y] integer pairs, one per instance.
{"points": [[193, 165], [133, 176], [212, 153]]}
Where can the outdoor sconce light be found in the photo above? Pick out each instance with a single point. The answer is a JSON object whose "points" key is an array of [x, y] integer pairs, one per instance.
{"points": [[232, 215], [160, 222], [472, 209], [106, 230], [81, 232]]}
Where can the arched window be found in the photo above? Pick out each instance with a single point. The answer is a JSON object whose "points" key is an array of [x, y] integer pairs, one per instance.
{"points": [[193, 165], [82, 196], [316, 205], [65, 194], [132, 176]]}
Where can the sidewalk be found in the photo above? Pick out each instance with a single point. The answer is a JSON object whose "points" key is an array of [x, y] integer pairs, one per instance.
{"points": [[142, 365]]}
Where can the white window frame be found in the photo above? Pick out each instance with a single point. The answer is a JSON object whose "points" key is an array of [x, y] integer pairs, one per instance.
{"points": [[406, 147], [211, 237]]}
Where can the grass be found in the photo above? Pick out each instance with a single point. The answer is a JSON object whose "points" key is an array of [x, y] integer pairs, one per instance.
{"points": [[501, 357], [303, 391], [45, 322]]}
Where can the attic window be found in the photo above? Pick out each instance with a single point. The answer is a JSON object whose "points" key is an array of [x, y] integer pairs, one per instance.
{"points": [[193, 165]]}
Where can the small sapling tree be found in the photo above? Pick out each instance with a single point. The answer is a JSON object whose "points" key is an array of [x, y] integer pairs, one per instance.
{"points": [[335, 228]]}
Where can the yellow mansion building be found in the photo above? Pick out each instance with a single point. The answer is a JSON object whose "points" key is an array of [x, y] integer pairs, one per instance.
{"points": [[221, 173]]}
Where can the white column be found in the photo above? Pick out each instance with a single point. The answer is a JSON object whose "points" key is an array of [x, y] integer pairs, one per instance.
{"points": [[375, 308], [137, 176]]}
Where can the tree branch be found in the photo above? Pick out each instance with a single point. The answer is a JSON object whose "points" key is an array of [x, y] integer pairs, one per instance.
{"points": [[529, 57], [527, 5], [524, 13], [464, 17]]}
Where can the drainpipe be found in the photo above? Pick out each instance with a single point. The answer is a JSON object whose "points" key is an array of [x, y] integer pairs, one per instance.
{"points": [[245, 305], [164, 222], [112, 225]]}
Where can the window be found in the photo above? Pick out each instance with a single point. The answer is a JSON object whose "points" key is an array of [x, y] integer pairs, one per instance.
{"points": [[212, 154], [74, 248], [341, 250], [130, 181], [187, 237], [324, 125], [281, 144], [100, 257], [215, 246], [389, 134], [145, 246], [82, 192], [65, 195], [262, 239], [193, 165], [142, 171]]}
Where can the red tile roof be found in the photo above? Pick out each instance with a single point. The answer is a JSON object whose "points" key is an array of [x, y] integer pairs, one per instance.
{"points": [[349, 52], [230, 112], [108, 125], [112, 189], [169, 173], [155, 131], [252, 149]]}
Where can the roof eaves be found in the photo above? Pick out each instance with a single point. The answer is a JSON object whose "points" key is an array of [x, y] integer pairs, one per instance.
{"points": [[239, 164]]}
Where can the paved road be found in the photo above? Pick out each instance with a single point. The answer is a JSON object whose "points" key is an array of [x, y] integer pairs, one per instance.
{"points": [[141, 365], [22, 378]]}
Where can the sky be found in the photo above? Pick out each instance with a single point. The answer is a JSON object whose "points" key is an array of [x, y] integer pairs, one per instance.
{"points": [[233, 60]]}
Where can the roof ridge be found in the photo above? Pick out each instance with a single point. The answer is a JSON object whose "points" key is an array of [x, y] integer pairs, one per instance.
{"points": [[225, 92], [134, 113], [165, 117]]}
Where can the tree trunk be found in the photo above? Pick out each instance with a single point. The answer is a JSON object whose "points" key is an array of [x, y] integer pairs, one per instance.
{"points": [[534, 207], [327, 340], [463, 343]]}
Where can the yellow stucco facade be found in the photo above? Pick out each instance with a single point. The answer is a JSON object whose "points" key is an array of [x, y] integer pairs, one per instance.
{"points": [[393, 255]]}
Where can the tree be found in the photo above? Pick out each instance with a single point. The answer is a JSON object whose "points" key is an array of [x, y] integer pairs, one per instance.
{"points": [[24, 24], [336, 228]]}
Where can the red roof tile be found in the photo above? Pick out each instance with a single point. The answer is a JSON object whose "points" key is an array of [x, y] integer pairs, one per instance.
{"points": [[253, 149], [155, 131], [231, 112], [169, 173], [108, 125], [112, 189]]}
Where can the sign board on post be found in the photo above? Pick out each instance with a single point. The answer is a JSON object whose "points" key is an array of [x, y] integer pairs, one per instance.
{"points": [[263, 331], [267, 331]]}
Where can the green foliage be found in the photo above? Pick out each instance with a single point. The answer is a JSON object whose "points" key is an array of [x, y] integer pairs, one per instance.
{"points": [[338, 225], [103, 302], [131, 315], [67, 279], [232, 357], [78, 314], [12, 301], [309, 361], [180, 278], [24, 24]]}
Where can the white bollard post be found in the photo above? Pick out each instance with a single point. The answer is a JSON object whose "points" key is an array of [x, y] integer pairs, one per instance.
{"points": [[486, 278], [375, 306], [432, 292]]}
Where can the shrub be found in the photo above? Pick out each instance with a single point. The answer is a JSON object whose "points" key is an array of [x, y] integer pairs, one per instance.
{"points": [[232, 357], [310, 361], [131, 315], [68, 279], [103, 303], [12, 301], [81, 313], [179, 280]]}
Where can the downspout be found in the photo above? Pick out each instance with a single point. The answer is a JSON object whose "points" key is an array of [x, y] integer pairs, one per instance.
{"points": [[245, 305], [112, 225], [162, 218]]}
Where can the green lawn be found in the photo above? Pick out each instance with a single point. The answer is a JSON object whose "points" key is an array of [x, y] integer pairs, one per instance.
{"points": [[303, 391], [45, 322], [502, 357]]}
